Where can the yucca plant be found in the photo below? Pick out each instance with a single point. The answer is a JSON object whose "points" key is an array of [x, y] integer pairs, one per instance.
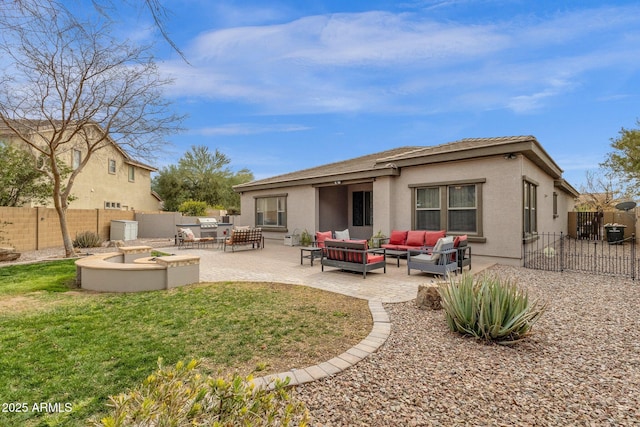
{"points": [[489, 308], [87, 239]]}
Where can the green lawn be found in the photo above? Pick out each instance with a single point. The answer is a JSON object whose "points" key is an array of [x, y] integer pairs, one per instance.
{"points": [[79, 348]]}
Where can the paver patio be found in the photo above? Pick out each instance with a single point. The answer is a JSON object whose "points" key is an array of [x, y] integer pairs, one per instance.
{"points": [[280, 263]]}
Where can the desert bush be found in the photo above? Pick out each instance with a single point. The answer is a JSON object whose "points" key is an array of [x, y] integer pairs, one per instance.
{"points": [[87, 239], [193, 208], [181, 396], [489, 308]]}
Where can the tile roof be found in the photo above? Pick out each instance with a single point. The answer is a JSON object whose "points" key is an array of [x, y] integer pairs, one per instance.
{"points": [[368, 162], [462, 145], [391, 161]]}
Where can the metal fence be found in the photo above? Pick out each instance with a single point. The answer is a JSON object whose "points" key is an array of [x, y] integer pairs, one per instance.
{"points": [[560, 252]]}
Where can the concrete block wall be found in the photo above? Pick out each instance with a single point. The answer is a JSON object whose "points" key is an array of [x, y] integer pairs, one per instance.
{"points": [[28, 229]]}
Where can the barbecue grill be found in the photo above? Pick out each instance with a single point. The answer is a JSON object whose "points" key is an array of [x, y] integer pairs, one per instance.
{"points": [[208, 227]]}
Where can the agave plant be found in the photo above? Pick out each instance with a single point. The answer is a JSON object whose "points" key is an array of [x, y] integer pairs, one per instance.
{"points": [[489, 308], [87, 239]]}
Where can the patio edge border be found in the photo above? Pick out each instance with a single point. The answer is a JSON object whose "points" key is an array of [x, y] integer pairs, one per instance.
{"points": [[370, 344]]}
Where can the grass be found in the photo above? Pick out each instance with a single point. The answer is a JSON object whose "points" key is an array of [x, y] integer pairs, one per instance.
{"points": [[67, 346]]}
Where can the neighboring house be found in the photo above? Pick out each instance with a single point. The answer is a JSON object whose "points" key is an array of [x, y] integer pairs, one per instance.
{"points": [[111, 179], [501, 192]]}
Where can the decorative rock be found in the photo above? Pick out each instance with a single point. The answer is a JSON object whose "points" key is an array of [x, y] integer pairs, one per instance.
{"points": [[428, 297], [8, 254], [115, 243]]}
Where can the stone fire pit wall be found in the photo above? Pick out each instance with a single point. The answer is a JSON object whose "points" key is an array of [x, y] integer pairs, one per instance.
{"points": [[132, 269]]}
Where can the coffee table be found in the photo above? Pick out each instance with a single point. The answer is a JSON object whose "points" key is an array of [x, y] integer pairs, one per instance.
{"points": [[313, 252]]}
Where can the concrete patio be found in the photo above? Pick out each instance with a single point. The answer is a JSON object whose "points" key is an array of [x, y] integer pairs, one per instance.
{"points": [[280, 263]]}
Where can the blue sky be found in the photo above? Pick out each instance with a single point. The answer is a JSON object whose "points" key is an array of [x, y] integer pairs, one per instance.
{"points": [[285, 85]]}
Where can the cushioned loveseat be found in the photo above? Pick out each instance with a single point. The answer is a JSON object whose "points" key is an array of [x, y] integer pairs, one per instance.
{"points": [[403, 241], [353, 255]]}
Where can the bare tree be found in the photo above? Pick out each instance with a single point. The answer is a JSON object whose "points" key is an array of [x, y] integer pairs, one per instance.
{"points": [[70, 85], [602, 192]]}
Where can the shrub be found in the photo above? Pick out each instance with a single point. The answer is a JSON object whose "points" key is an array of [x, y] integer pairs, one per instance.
{"points": [[193, 208], [181, 396], [489, 308], [87, 239]]}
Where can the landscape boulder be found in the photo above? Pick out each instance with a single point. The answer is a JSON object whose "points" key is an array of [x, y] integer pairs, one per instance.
{"points": [[8, 254], [428, 297]]}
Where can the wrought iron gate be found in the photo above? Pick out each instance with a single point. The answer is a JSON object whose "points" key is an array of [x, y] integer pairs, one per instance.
{"points": [[560, 252]]}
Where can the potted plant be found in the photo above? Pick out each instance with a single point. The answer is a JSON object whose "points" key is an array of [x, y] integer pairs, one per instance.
{"points": [[376, 239], [305, 238]]}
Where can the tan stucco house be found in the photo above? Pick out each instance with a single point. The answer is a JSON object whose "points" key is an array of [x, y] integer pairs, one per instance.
{"points": [[501, 192], [110, 180]]}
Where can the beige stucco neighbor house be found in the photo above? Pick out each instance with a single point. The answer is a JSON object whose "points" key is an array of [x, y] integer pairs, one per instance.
{"points": [[111, 179], [501, 192]]}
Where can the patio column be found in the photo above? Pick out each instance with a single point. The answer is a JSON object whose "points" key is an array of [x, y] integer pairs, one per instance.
{"points": [[382, 205]]}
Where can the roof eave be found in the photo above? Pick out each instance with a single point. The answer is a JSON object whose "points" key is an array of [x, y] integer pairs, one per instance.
{"points": [[319, 180], [566, 187], [529, 148]]}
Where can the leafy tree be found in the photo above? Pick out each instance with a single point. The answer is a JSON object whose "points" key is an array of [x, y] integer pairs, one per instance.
{"points": [[20, 180], [71, 85], [200, 175], [624, 161], [193, 208]]}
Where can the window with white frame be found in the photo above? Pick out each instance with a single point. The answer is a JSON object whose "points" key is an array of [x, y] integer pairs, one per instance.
{"points": [[112, 166], [77, 159], [112, 205], [132, 173], [271, 211]]}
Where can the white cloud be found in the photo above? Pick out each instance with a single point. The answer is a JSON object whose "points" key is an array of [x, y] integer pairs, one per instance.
{"points": [[388, 62], [248, 129]]}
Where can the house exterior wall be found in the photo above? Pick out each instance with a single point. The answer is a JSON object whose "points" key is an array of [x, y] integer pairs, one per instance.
{"points": [[501, 219], [301, 208], [499, 177], [96, 185]]}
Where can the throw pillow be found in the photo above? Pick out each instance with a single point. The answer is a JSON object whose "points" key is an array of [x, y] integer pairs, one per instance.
{"points": [[415, 238], [460, 241], [188, 234], [398, 237], [321, 236], [342, 235], [431, 237]]}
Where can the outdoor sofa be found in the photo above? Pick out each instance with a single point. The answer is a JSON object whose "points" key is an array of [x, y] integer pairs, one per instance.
{"points": [[353, 255], [402, 242]]}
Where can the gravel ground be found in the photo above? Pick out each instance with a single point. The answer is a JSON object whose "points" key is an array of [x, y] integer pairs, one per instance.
{"points": [[581, 366]]}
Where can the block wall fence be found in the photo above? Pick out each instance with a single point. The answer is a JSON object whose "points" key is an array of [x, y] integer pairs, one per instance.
{"points": [[28, 229]]}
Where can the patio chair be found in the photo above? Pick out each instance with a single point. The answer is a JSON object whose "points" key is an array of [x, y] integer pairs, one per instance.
{"points": [[441, 261]]}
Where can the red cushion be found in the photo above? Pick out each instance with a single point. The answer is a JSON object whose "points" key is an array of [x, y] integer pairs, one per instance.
{"points": [[458, 239], [398, 237], [415, 238], [391, 247], [321, 236], [431, 237], [356, 256], [371, 259]]}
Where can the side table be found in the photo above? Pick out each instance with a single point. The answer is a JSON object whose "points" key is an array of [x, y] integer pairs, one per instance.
{"points": [[313, 251]]}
